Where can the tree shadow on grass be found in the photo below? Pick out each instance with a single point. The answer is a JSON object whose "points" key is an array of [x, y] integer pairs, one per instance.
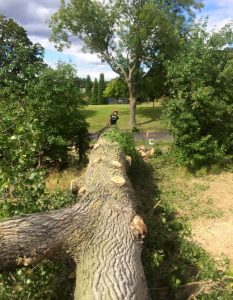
{"points": [[170, 260], [152, 113], [87, 113], [146, 122]]}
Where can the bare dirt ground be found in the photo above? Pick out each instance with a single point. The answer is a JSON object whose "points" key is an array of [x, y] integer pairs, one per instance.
{"points": [[216, 234], [213, 229]]}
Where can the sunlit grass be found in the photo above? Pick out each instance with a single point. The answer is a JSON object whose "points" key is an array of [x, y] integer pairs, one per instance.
{"points": [[149, 118]]}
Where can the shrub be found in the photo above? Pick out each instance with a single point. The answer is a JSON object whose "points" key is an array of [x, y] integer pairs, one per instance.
{"points": [[56, 103], [201, 91]]}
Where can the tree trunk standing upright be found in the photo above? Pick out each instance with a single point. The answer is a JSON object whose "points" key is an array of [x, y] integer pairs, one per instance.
{"points": [[101, 233], [130, 35], [132, 103]]}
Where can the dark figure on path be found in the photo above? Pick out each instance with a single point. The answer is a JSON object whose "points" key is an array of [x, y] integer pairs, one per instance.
{"points": [[112, 121], [114, 118]]}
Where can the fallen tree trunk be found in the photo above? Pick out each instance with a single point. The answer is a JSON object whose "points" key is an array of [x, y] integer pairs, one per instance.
{"points": [[101, 233]]}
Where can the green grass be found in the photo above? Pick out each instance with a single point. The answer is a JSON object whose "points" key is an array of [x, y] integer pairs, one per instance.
{"points": [[148, 118], [169, 198]]}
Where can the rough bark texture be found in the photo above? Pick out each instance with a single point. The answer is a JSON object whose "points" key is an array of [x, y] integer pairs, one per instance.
{"points": [[97, 233], [132, 103]]}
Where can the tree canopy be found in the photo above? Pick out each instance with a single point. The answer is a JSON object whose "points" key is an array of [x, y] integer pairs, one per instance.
{"points": [[20, 59], [56, 101], [128, 35], [116, 88], [39, 120]]}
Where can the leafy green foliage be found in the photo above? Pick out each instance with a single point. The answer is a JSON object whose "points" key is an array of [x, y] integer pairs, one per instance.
{"points": [[201, 107], [94, 98], [39, 120], [20, 64], [56, 103], [101, 87], [152, 86], [128, 35], [20, 60], [88, 87], [43, 282], [20, 182], [116, 88], [125, 140]]}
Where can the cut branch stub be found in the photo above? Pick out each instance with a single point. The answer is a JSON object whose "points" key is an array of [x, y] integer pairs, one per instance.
{"points": [[118, 180], [139, 225], [129, 159], [96, 146], [97, 159], [82, 190], [116, 164], [74, 187]]}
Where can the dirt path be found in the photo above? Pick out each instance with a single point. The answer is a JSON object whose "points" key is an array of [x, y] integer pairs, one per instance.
{"points": [[216, 234]]}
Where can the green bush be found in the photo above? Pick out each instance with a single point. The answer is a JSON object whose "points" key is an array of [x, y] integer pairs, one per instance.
{"points": [[200, 109], [56, 102], [46, 281], [39, 120]]}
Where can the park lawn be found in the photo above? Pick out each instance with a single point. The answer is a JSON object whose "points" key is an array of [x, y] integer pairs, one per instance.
{"points": [[148, 118]]}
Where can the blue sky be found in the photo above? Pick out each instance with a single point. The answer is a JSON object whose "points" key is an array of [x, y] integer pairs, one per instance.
{"points": [[219, 12], [32, 15]]}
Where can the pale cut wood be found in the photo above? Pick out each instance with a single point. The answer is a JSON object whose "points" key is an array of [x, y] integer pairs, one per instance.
{"points": [[116, 164], [129, 159], [118, 180]]}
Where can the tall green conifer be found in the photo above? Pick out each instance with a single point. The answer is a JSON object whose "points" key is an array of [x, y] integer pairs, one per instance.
{"points": [[101, 88], [95, 92], [88, 88]]}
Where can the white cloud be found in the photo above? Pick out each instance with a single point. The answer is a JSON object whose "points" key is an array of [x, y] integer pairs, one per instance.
{"points": [[95, 73], [219, 12], [33, 14]]}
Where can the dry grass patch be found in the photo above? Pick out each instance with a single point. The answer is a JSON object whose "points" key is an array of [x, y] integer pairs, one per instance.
{"points": [[205, 202], [216, 235], [61, 180]]}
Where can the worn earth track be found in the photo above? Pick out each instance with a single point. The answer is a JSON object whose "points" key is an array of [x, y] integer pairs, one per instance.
{"points": [[216, 234]]}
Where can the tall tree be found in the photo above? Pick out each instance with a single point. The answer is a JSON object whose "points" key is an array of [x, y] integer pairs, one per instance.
{"points": [[88, 87], [128, 35], [20, 59], [94, 98], [101, 87]]}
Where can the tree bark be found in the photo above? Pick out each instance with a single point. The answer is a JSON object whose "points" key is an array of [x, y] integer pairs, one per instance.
{"points": [[132, 104], [98, 233]]}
